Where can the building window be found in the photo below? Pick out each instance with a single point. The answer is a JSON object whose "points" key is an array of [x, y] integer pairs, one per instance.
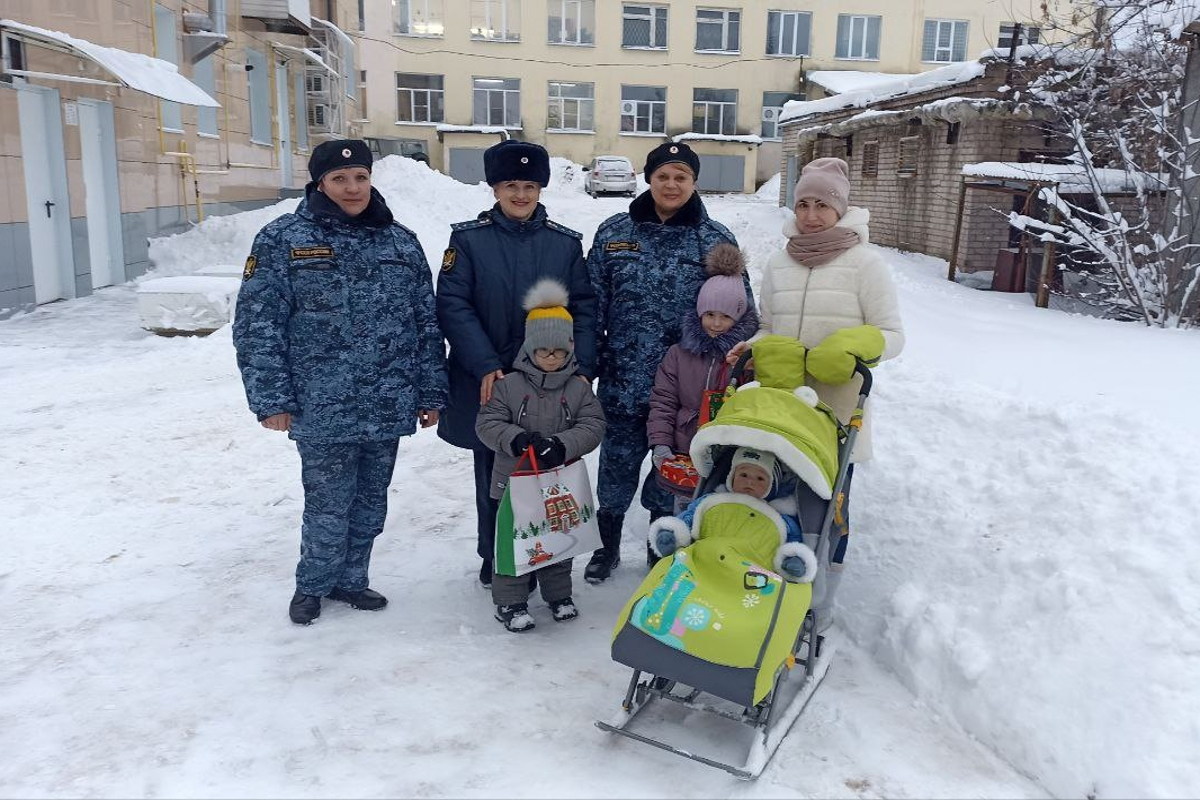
{"points": [[945, 40], [910, 150], [788, 33], [362, 95], [714, 110], [420, 98], [772, 108], [496, 20], [644, 26], [205, 77], [1030, 34], [643, 109], [497, 101], [260, 97], [571, 22], [870, 160], [166, 48], [572, 107], [857, 37], [718, 30], [418, 17]]}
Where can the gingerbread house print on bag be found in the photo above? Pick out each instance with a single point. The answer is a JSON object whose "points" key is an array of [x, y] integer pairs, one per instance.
{"points": [[562, 511]]}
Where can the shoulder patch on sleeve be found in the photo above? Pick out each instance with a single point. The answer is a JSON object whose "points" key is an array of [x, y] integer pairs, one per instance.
{"points": [[448, 259], [551, 224], [248, 270]]}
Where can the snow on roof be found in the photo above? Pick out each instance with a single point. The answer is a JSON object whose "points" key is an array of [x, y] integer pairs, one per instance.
{"points": [[1071, 178], [443, 127], [717, 137], [138, 71], [840, 81], [946, 109], [1171, 16], [949, 75]]}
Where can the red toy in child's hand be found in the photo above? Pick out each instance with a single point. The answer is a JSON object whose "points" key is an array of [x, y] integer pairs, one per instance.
{"points": [[678, 475]]}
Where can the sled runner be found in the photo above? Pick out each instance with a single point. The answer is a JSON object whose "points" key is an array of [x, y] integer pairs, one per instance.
{"points": [[715, 630]]}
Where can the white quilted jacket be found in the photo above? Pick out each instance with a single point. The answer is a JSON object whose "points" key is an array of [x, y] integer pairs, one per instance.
{"points": [[809, 303]]}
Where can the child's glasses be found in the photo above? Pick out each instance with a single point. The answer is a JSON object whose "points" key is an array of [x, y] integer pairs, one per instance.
{"points": [[546, 352]]}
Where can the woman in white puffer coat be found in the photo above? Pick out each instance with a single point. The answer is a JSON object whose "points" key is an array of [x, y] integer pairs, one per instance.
{"points": [[828, 289]]}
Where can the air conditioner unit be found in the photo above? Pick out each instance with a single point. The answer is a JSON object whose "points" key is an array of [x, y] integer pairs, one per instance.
{"points": [[628, 107], [770, 114]]}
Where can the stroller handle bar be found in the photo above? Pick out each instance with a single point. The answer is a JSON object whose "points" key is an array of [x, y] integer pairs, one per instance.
{"points": [[860, 368]]}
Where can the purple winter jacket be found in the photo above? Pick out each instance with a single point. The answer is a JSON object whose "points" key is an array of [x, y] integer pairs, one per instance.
{"points": [[686, 372]]}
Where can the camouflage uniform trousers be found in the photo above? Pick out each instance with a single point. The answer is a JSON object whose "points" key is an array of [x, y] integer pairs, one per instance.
{"points": [[621, 455], [345, 504]]}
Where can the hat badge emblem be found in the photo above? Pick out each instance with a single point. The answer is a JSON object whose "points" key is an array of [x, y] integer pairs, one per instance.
{"points": [[524, 159], [345, 152], [674, 150]]}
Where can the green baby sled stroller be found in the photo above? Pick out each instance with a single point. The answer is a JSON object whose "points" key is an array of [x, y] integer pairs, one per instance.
{"points": [[715, 629]]}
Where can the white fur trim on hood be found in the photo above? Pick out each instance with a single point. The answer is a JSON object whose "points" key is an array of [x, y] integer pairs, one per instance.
{"points": [[789, 549], [683, 536], [714, 435]]}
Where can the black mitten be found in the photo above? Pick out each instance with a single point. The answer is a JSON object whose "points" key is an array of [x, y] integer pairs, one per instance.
{"points": [[550, 452], [521, 443]]}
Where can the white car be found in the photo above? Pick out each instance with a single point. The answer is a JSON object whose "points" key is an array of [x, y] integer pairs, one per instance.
{"points": [[610, 174]]}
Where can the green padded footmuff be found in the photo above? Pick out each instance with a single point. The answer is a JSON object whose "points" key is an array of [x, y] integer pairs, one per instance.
{"points": [[715, 615]]}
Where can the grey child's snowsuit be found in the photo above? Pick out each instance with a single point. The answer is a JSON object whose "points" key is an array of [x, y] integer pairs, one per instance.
{"points": [[550, 404]]}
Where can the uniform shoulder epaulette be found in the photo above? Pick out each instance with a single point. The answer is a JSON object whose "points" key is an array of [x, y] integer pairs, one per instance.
{"points": [[471, 224], [613, 220], [409, 231], [554, 226], [721, 229]]}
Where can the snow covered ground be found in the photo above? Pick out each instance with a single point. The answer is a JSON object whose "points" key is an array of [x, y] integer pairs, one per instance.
{"points": [[1022, 603]]}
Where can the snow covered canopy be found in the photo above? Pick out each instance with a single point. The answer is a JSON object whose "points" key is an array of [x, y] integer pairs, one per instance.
{"points": [[898, 86], [840, 81], [1070, 178], [303, 53], [136, 71], [717, 137]]}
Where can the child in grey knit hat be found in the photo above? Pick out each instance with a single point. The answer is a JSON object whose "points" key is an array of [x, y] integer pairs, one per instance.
{"points": [[542, 404]]}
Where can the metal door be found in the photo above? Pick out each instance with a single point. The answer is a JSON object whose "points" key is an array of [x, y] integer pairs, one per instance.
{"points": [[721, 173], [466, 164], [48, 203], [103, 199]]}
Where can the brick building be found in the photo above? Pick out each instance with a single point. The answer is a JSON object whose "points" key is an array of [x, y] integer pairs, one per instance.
{"points": [[907, 143]]}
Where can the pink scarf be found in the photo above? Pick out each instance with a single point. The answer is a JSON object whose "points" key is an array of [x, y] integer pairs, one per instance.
{"points": [[815, 249]]}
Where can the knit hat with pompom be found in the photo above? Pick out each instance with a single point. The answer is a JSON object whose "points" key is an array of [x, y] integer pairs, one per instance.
{"points": [[548, 324], [725, 290]]}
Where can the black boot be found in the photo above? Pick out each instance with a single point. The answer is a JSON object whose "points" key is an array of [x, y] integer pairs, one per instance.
{"points": [[304, 608], [366, 600], [608, 556]]}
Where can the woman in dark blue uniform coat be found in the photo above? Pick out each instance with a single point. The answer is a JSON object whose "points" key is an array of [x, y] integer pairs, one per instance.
{"points": [[647, 266], [491, 263]]}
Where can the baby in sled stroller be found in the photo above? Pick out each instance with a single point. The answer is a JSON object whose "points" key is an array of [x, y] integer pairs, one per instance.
{"points": [[724, 612], [760, 475]]}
